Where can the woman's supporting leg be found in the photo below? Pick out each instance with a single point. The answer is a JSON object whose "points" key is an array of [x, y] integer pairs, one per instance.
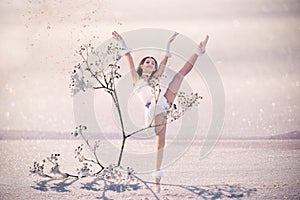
{"points": [[160, 130], [187, 67]]}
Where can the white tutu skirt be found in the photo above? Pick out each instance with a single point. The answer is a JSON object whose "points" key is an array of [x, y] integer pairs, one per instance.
{"points": [[152, 109]]}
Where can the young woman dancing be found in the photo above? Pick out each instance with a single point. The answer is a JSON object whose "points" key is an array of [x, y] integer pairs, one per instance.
{"points": [[147, 70]]}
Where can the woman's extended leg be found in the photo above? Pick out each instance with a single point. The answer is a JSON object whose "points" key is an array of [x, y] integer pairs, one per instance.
{"points": [[160, 119], [160, 130], [187, 67]]}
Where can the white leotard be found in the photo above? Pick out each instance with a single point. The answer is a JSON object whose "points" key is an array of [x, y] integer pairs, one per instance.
{"points": [[146, 94]]}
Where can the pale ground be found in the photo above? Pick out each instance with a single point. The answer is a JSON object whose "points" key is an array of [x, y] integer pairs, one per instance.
{"points": [[233, 170]]}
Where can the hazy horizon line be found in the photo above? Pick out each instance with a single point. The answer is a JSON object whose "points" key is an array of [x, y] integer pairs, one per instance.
{"points": [[41, 135]]}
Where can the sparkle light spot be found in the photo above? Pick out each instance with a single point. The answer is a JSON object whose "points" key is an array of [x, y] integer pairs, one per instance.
{"points": [[270, 126], [261, 110]]}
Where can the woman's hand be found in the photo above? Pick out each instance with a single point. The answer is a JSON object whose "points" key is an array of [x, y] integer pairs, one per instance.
{"points": [[173, 37], [134, 74], [117, 36], [168, 54]]}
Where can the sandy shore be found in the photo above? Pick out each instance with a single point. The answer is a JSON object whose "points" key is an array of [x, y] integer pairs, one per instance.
{"points": [[235, 169]]}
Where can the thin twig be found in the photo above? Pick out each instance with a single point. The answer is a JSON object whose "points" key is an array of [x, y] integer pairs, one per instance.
{"points": [[140, 130], [90, 148]]}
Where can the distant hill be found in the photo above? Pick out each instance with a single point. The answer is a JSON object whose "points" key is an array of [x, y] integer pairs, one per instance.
{"points": [[41, 135], [287, 136], [27, 135]]}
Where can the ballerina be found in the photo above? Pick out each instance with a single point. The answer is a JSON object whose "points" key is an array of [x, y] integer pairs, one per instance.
{"points": [[156, 107]]}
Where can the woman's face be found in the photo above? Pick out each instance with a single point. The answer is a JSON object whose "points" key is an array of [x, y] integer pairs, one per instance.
{"points": [[148, 66]]}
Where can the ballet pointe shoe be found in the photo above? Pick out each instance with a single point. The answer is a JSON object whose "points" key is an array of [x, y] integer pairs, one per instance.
{"points": [[201, 46], [157, 175], [157, 184]]}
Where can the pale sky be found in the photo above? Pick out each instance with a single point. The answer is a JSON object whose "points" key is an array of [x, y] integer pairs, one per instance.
{"points": [[253, 44]]}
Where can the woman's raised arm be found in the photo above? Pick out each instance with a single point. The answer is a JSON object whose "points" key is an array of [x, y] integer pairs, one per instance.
{"points": [[164, 61], [134, 74]]}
